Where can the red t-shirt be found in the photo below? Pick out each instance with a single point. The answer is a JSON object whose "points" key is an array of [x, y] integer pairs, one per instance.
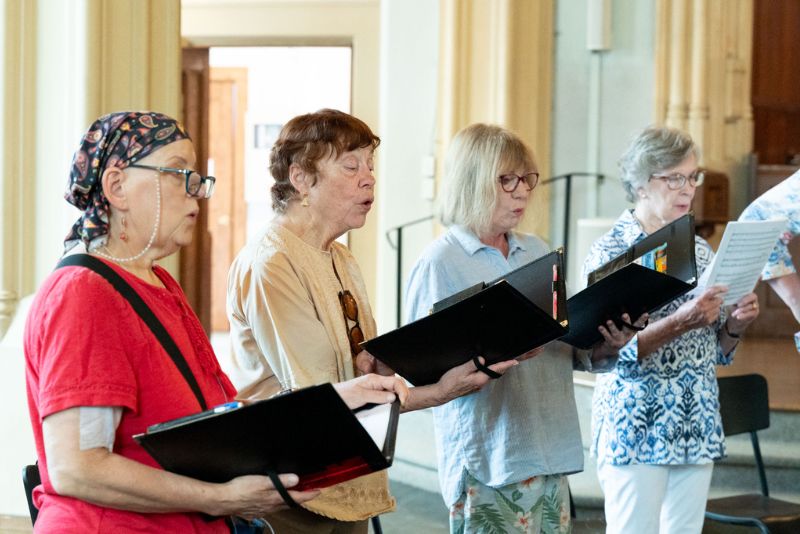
{"points": [[86, 346]]}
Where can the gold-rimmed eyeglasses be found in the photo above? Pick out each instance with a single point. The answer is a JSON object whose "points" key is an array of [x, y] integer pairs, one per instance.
{"points": [[350, 310], [510, 182], [677, 180], [197, 185]]}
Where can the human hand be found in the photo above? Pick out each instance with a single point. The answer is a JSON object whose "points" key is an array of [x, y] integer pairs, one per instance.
{"points": [[466, 378], [372, 388], [743, 313], [367, 363], [253, 496], [702, 311], [615, 338]]}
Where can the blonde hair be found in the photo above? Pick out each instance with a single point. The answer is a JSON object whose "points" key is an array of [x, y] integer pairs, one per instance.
{"points": [[476, 157]]}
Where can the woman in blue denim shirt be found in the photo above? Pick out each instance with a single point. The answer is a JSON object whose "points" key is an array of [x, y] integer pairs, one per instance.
{"points": [[656, 428], [503, 451]]}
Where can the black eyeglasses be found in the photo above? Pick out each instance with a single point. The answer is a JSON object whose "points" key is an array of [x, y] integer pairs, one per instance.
{"points": [[677, 180], [197, 185], [350, 309], [510, 182]]}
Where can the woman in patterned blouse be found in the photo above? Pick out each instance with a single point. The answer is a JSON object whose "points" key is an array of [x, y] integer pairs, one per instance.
{"points": [[656, 428], [783, 200]]}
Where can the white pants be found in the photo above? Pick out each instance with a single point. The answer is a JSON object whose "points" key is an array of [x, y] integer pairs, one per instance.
{"points": [[655, 499]]}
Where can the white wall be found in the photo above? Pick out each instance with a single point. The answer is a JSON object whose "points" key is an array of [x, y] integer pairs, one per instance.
{"points": [[408, 78], [624, 78], [61, 121], [320, 78]]}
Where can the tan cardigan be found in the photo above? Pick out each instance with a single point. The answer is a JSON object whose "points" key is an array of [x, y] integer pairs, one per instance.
{"points": [[288, 331]]}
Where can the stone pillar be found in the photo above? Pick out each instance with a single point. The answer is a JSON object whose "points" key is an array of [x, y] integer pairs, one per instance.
{"points": [[496, 66], [17, 153], [703, 69]]}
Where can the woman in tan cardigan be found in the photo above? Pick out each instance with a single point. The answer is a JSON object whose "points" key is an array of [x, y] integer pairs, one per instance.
{"points": [[297, 303]]}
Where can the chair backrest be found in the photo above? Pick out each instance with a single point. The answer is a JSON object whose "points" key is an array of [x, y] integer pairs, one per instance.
{"points": [[744, 407], [743, 403], [31, 479]]}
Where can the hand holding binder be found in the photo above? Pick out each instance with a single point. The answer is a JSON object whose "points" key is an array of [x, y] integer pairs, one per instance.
{"points": [[497, 320], [310, 432], [645, 277]]}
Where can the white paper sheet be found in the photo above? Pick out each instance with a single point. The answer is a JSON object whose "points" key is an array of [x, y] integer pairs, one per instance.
{"points": [[742, 254], [376, 422]]}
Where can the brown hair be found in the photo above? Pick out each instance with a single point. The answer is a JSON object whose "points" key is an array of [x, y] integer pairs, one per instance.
{"points": [[307, 139]]}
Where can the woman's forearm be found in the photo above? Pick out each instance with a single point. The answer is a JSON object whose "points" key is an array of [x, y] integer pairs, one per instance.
{"points": [[422, 397], [788, 289], [113, 481], [658, 334], [107, 479]]}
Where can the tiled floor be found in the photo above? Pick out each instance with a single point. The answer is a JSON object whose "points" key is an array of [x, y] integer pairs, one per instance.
{"points": [[418, 511]]}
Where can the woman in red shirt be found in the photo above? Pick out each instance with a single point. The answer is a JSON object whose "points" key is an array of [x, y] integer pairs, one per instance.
{"points": [[95, 373]]}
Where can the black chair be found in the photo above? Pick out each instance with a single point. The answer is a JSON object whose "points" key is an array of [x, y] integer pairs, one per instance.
{"points": [[31, 479], [744, 405]]}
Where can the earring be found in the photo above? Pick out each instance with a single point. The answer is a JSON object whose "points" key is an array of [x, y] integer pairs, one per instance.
{"points": [[123, 235], [304, 203]]}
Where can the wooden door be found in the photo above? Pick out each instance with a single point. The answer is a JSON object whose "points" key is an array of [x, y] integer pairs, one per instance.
{"points": [[227, 208], [195, 264], [776, 79]]}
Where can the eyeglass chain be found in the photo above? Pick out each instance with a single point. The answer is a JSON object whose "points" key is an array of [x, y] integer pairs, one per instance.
{"points": [[152, 234]]}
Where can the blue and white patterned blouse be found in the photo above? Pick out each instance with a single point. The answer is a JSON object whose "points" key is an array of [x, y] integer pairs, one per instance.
{"points": [[783, 200], [663, 409]]}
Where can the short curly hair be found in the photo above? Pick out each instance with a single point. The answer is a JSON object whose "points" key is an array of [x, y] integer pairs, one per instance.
{"points": [[653, 150], [307, 139]]}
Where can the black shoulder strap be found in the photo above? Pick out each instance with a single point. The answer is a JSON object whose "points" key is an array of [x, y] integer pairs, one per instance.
{"points": [[147, 315]]}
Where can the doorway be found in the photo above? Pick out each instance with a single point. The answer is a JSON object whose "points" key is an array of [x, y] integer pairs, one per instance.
{"points": [[252, 92]]}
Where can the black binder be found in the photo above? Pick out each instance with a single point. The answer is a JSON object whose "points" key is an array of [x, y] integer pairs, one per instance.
{"points": [[310, 432], [626, 284], [498, 320]]}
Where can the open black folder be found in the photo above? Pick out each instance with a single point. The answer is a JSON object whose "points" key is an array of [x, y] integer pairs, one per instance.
{"points": [[310, 432], [645, 277], [498, 320]]}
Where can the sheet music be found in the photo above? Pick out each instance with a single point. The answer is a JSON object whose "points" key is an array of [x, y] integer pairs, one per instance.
{"points": [[742, 254]]}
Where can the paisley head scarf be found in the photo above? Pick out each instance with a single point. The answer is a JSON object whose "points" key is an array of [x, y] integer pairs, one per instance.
{"points": [[114, 140]]}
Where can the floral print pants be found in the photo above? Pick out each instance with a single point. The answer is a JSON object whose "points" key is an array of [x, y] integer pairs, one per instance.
{"points": [[535, 505]]}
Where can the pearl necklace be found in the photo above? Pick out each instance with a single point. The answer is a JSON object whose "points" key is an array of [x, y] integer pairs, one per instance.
{"points": [[152, 234]]}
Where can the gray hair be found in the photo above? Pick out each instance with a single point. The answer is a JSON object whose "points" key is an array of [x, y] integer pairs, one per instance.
{"points": [[654, 150], [475, 158]]}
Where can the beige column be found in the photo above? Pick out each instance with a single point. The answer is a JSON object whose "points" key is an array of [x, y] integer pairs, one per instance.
{"points": [[677, 110], [65, 62], [17, 155], [496, 67], [135, 55], [698, 99], [703, 70]]}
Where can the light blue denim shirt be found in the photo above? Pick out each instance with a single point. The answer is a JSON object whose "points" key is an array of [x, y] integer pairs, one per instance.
{"points": [[519, 426], [663, 409]]}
